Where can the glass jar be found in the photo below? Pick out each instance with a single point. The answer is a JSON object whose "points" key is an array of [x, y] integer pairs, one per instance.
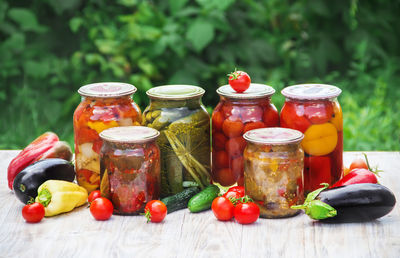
{"points": [[314, 110], [235, 114], [273, 170], [103, 105], [178, 113], [130, 168]]}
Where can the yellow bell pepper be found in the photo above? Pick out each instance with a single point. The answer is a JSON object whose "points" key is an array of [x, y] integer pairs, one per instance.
{"points": [[58, 196]]}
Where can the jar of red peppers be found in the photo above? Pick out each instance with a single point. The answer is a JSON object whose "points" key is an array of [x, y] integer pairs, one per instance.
{"points": [[235, 114], [103, 105], [273, 170], [130, 168], [314, 110]]}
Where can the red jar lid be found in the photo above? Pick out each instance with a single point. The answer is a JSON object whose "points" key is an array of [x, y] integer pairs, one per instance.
{"points": [[311, 91], [129, 134], [273, 136], [255, 91], [107, 90]]}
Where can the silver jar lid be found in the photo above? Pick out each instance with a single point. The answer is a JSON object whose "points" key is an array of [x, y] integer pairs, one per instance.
{"points": [[107, 90], [311, 91], [129, 134], [273, 136], [255, 91], [175, 92]]}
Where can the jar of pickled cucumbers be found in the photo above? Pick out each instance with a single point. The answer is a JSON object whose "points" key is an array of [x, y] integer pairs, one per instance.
{"points": [[273, 170], [130, 168], [235, 114], [314, 110], [184, 125], [103, 105]]}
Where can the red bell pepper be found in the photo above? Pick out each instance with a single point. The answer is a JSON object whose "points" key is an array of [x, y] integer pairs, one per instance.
{"points": [[35, 149], [357, 176]]}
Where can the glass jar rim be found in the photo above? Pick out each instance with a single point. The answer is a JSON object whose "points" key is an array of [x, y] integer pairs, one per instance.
{"points": [[256, 90], [311, 91], [107, 90], [175, 92], [273, 136], [129, 134]]}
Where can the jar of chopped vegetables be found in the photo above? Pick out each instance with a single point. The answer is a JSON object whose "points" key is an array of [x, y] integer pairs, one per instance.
{"points": [[103, 105], [184, 125], [273, 170], [235, 114], [130, 168]]}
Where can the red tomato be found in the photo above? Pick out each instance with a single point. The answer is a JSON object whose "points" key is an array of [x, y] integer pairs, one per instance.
{"points": [[217, 120], [239, 81], [246, 213], [251, 113], [221, 159], [253, 125], [222, 208], [271, 116], [155, 211], [101, 208], [358, 163], [318, 112], [317, 170], [94, 195], [237, 166], [86, 134], [235, 192], [219, 141], [235, 146], [224, 177], [33, 213], [292, 116], [232, 128]]}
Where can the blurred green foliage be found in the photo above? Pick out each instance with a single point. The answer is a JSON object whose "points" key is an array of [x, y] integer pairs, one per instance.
{"points": [[49, 48]]}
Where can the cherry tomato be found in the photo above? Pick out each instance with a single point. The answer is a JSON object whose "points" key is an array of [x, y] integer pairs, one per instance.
{"points": [[235, 146], [217, 120], [318, 112], [221, 159], [235, 192], [358, 163], [237, 166], [232, 128], [94, 195], [101, 208], [155, 211], [33, 213], [271, 116], [292, 116], [239, 81], [224, 177], [247, 212], [222, 208], [219, 141], [253, 125]]}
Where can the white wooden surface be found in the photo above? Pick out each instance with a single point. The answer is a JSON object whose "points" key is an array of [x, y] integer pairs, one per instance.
{"points": [[183, 234]]}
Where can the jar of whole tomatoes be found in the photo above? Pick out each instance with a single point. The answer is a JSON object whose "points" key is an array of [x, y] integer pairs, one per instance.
{"points": [[184, 125], [130, 168], [314, 110], [273, 170], [235, 114], [103, 105]]}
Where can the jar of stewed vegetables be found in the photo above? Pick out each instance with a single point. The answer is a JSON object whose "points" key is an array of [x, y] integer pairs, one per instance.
{"points": [[103, 105], [314, 110], [235, 114], [130, 168], [184, 125], [273, 170]]}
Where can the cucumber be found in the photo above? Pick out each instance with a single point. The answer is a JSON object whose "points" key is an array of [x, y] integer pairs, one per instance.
{"points": [[203, 200], [180, 200]]}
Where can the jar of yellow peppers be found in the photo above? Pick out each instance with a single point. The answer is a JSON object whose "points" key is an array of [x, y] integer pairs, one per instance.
{"points": [[103, 105]]}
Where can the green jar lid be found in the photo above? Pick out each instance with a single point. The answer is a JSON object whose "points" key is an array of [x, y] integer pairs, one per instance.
{"points": [[175, 92]]}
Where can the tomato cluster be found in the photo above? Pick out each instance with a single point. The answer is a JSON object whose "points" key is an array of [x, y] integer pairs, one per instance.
{"points": [[92, 116], [322, 124], [230, 120]]}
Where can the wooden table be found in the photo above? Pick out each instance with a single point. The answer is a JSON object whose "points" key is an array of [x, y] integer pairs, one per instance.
{"points": [[183, 234]]}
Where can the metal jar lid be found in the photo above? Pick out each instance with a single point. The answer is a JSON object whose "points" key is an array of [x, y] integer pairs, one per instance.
{"points": [[255, 91], [129, 134], [273, 136], [107, 90], [175, 92], [311, 91]]}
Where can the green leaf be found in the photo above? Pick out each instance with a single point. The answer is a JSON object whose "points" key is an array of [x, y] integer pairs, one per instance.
{"points": [[37, 69], [75, 23], [215, 4], [26, 19], [200, 34], [176, 5], [128, 3]]}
